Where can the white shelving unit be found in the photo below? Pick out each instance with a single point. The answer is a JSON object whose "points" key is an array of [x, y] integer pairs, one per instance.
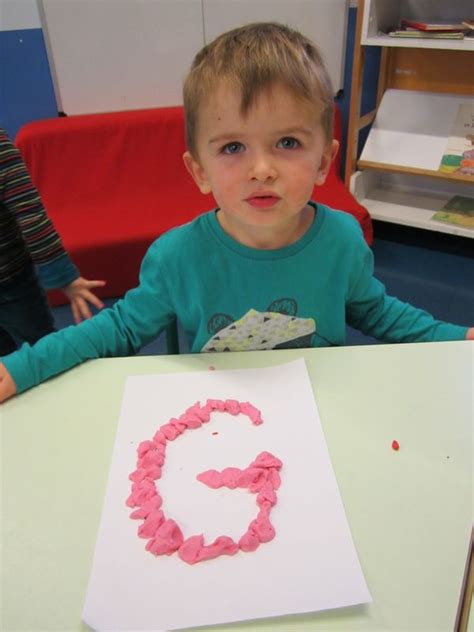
{"points": [[444, 44], [380, 16], [421, 85], [406, 200]]}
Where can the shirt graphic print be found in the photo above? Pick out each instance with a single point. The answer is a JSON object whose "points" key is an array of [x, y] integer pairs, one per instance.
{"points": [[276, 328]]}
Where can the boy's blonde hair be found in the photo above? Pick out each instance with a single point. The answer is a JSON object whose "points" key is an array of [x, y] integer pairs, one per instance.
{"points": [[254, 58]]}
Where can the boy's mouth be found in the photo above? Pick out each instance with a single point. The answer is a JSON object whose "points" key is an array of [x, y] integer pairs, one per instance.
{"points": [[262, 200]]}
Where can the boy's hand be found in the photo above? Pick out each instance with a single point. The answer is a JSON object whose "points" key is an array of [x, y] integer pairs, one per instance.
{"points": [[470, 334], [79, 294], [7, 385]]}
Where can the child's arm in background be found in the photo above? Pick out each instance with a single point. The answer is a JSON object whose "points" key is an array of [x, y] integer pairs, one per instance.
{"points": [[79, 294], [55, 268], [470, 334]]}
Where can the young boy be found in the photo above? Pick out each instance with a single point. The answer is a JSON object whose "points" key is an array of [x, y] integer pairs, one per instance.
{"points": [[266, 269]]}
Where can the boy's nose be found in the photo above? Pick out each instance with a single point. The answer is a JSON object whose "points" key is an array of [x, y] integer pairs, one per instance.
{"points": [[262, 169]]}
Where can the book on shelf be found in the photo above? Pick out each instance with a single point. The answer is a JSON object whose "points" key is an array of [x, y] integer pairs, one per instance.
{"points": [[459, 211], [458, 156], [432, 26], [427, 34]]}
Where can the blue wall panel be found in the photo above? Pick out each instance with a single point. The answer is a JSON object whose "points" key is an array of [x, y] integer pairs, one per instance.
{"points": [[26, 87]]}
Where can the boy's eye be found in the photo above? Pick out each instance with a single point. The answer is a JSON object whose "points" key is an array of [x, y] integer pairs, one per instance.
{"points": [[232, 148], [288, 142]]}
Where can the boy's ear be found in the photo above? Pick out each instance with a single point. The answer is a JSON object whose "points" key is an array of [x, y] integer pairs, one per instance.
{"points": [[327, 157], [197, 173]]}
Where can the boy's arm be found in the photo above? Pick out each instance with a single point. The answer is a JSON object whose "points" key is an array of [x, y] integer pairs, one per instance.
{"points": [[373, 312], [7, 385], [119, 331]]}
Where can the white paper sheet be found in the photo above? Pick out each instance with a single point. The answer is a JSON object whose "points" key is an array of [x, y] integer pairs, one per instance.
{"points": [[310, 565]]}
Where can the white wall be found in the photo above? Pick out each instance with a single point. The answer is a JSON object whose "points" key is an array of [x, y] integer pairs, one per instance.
{"points": [[323, 21], [108, 55], [19, 14]]}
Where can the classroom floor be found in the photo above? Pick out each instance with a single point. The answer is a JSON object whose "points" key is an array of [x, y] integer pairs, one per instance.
{"points": [[430, 270]]}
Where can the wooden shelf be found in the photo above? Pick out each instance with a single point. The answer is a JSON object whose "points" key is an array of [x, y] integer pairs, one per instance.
{"points": [[428, 173]]}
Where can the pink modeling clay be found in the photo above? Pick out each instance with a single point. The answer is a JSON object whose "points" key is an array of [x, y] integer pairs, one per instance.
{"points": [[141, 492], [164, 535], [203, 413], [144, 447], [232, 406], [170, 431], [150, 526], [168, 538], [155, 502], [252, 413], [159, 438], [180, 424], [151, 458], [216, 404], [194, 550]]}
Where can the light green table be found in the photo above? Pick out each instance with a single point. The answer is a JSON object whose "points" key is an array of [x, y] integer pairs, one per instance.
{"points": [[410, 511]]}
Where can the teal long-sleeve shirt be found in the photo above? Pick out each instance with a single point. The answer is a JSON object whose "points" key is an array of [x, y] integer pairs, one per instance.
{"points": [[230, 297]]}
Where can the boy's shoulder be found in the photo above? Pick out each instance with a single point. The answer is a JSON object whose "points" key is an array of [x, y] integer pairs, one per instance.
{"points": [[186, 233], [341, 223]]}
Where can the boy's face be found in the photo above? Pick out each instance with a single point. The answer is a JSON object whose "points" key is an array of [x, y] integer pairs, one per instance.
{"points": [[261, 168]]}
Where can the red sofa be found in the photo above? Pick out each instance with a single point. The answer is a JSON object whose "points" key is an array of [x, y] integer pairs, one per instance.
{"points": [[114, 182]]}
